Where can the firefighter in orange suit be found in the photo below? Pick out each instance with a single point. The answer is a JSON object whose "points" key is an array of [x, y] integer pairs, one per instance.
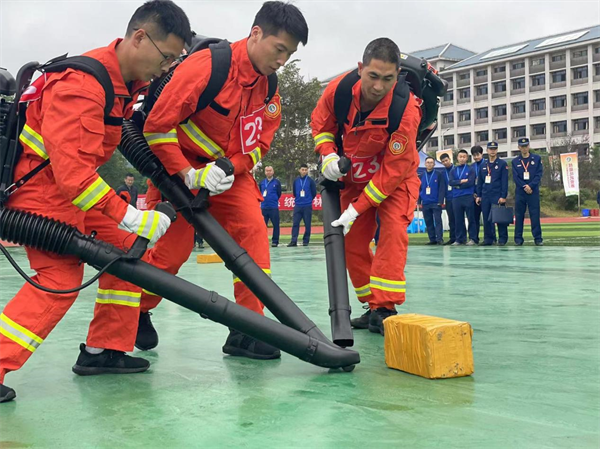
{"points": [[238, 125], [66, 125], [383, 180]]}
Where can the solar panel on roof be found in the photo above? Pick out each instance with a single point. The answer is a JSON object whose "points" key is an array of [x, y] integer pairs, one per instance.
{"points": [[561, 39], [504, 51]]}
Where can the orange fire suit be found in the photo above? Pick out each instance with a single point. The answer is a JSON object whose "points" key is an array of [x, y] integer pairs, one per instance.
{"points": [[383, 180], [239, 126], [66, 125]]}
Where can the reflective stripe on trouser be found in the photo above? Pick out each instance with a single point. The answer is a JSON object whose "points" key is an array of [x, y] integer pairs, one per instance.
{"points": [[19, 334], [383, 272], [247, 227], [113, 326]]}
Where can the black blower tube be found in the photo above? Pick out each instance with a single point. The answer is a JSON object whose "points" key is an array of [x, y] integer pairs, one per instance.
{"points": [[135, 149], [47, 234], [335, 256]]}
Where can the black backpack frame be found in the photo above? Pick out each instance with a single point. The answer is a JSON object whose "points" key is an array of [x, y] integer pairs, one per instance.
{"points": [[10, 147]]}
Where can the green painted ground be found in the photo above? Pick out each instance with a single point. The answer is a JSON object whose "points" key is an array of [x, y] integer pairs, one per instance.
{"points": [[534, 311], [559, 234]]}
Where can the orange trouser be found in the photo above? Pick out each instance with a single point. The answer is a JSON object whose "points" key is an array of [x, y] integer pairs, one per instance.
{"points": [[238, 211], [31, 315], [379, 279]]}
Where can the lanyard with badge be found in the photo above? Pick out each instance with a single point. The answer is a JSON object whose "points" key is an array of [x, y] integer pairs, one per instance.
{"points": [[462, 172], [488, 177], [428, 179], [302, 187], [448, 181], [266, 187], [526, 172]]}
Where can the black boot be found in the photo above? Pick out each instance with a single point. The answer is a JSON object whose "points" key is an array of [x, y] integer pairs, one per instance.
{"points": [[108, 362], [146, 338], [243, 345], [377, 317], [7, 393], [362, 322], [292, 244]]}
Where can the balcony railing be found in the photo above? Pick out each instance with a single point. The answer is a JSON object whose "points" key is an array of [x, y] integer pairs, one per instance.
{"points": [[580, 107], [498, 76], [464, 100], [499, 118], [463, 83], [498, 94], [481, 79], [558, 134], [538, 136], [517, 72], [576, 81], [537, 88], [579, 132], [558, 110], [479, 121], [464, 123], [558, 65], [582, 60], [533, 113], [536, 69], [481, 97], [558, 84], [517, 115], [517, 91]]}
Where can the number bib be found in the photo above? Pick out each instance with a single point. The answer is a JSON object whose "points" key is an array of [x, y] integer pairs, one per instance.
{"points": [[250, 129], [365, 167]]}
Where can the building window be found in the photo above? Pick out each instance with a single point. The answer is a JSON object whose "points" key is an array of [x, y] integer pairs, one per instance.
{"points": [[518, 108], [481, 72], [481, 113], [559, 127], [500, 87], [538, 80], [448, 119], [580, 72], [558, 58], [580, 53], [559, 77], [536, 62], [448, 141], [500, 69], [581, 124], [596, 122], [538, 105], [433, 142], [538, 129], [500, 134], [596, 96], [559, 102], [518, 65], [482, 90], [519, 131], [464, 93], [597, 69], [518, 83], [482, 136], [597, 50], [464, 76], [500, 110], [465, 139], [580, 98], [464, 116], [449, 96]]}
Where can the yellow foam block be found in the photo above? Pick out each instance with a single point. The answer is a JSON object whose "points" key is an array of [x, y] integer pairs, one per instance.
{"points": [[208, 258], [428, 346]]}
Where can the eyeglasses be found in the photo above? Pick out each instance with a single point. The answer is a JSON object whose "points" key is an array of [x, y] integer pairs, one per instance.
{"points": [[167, 60]]}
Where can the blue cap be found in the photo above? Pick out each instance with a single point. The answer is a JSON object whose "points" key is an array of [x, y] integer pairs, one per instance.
{"points": [[523, 142], [492, 145]]}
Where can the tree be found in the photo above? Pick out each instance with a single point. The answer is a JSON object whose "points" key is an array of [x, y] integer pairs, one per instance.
{"points": [[293, 143], [115, 169]]}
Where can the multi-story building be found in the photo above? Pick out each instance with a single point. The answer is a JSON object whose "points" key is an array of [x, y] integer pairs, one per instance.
{"points": [[547, 89]]}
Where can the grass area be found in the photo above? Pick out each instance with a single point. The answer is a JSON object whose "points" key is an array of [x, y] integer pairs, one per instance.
{"points": [[555, 234]]}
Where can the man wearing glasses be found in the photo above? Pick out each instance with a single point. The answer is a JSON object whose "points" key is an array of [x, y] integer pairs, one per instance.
{"points": [[66, 124]]}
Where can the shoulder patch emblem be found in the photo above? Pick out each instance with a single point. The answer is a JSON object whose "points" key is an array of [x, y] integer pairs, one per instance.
{"points": [[273, 109], [398, 143]]}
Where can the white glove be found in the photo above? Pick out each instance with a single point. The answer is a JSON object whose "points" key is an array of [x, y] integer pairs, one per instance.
{"points": [[149, 224], [210, 177], [330, 168], [346, 219]]}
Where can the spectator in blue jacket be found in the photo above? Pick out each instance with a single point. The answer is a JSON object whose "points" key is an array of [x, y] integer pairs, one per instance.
{"points": [[448, 167], [270, 188], [305, 191], [462, 180], [527, 173], [431, 197], [477, 164]]}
